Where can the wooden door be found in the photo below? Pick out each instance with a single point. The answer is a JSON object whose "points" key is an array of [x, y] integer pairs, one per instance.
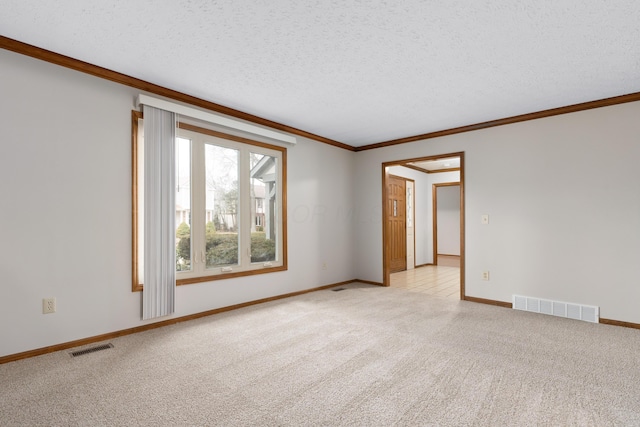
{"points": [[396, 214]]}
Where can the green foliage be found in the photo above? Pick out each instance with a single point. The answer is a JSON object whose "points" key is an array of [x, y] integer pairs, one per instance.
{"points": [[262, 249], [217, 225], [183, 253], [183, 250], [183, 231], [210, 229], [222, 249]]}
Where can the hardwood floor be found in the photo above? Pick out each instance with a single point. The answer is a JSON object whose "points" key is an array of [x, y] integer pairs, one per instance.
{"points": [[441, 280]]}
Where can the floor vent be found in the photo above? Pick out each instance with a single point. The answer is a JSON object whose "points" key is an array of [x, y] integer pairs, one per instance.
{"points": [[588, 313], [91, 350], [338, 289]]}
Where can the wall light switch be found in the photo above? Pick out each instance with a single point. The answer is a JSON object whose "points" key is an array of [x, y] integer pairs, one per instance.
{"points": [[484, 219]]}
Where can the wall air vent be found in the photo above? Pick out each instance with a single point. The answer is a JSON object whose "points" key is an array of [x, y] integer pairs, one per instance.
{"points": [[91, 350], [588, 313]]}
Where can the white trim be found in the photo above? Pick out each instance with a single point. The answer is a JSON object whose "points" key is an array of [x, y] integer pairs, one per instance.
{"points": [[213, 118]]}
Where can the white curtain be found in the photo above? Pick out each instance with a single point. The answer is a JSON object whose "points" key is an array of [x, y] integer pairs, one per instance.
{"points": [[158, 295]]}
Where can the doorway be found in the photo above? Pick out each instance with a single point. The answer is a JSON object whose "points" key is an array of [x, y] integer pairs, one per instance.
{"points": [[446, 223], [452, 162]]}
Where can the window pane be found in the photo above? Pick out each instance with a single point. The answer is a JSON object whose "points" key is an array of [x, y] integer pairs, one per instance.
{"points": [[221, 205], [183, 204], [263, 207]]}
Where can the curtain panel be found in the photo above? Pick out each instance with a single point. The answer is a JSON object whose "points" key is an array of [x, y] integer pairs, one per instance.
{"points": [[158, 295]]}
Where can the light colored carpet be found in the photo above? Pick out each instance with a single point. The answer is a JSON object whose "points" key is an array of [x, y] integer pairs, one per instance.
{"points": [[365, 356]]}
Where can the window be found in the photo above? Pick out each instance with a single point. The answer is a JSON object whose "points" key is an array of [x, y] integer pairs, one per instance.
{"points": [[230, 205]]}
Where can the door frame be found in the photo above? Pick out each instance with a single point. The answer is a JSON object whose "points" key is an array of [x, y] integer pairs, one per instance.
{"points": [[434, 215], [386, 255], [413, 217]]}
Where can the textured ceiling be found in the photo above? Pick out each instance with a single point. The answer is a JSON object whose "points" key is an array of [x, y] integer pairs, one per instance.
{"points": [[358, 72]]}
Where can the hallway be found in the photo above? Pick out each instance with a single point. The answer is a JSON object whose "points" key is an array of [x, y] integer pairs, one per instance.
{"points": [[441, 280]]}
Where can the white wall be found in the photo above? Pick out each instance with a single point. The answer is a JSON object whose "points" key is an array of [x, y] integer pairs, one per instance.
{"points": [[448, 215], [562, 195], [65, 170], [436, 178]]}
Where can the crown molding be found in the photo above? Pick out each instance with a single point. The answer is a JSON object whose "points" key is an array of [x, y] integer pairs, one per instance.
{"points": [[104, 73], [622, 99]]}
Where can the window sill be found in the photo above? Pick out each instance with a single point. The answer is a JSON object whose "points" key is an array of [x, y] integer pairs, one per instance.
{"points": [[215, 277], [222, 276]]}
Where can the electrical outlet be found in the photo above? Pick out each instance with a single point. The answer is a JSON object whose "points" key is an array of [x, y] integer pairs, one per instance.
{"points": [[48, 305], [324, 265], [485, 275], [484, 219]]}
